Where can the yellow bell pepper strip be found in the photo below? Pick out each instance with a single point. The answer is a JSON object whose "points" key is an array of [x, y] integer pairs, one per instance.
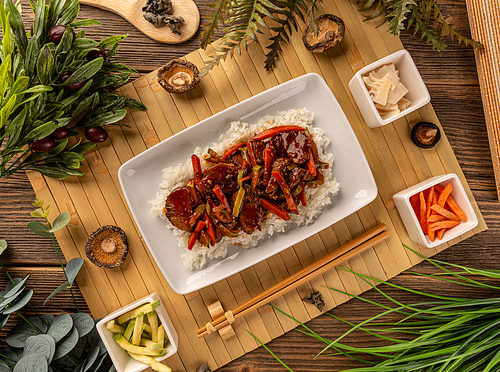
{"points": [[286, 191], [271, 132], [194, 235], [224, 230], [268, 164], [232, 150], [238, 203], [222, 198], [273, 208]]}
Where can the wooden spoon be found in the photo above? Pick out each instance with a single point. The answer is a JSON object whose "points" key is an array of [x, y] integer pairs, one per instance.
{"points": [[131, 10]]}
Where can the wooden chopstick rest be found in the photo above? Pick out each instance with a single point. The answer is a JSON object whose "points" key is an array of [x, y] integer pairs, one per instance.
{"points": [[216, 311], [340, 255]]}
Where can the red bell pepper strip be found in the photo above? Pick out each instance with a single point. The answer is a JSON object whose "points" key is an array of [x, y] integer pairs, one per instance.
{"points": [[273, 208], [222, 198], [232, 150], [245, 179], [271, 132], [251, 154], [194, 235], [211, 229], [197, 170], [302, 195], [310, 163], [286, 191], [268, 163]]}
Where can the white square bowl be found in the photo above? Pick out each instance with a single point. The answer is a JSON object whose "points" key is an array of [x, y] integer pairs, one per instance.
{"points": [[121, 360], [402, 201], [141, 176], [410, 78]]}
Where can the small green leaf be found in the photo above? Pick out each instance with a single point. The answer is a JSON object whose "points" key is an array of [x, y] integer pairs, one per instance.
{"points": [[41, 131], [85, 72], [62, 287], [38, 213], [39, 228], [111, 41], [45, 65], [32, 362], [85, 22], [3, 246], [17, 288], [84, 43], [67, 343], [84, 323], [19, 333], [72, 268], [38, 203], [38, 89], [106, 118], [40, 344], [20, 303], [91, 358], [47, 211], [60, 221], [61, 327]]}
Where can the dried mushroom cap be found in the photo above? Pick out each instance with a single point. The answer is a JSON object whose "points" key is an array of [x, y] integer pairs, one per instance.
{"points": [[178, 76], [425, 135], [331, 31], [107, 246]]}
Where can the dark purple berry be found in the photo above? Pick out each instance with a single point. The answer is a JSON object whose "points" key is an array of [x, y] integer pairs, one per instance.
{"points": [[96, 134], [42, 145], [56, 33], [60, 133], [72, 87], [93, 54]]}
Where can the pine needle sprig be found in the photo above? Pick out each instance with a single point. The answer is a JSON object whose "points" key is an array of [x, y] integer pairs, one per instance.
{"points": [[214, 19]]}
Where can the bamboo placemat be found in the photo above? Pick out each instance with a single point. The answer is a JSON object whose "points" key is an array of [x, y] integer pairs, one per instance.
{"points": [[484, 16], [96, 199]]}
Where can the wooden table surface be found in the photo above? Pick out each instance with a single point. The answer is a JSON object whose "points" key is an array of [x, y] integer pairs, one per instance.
{"points": [[451, 78]]}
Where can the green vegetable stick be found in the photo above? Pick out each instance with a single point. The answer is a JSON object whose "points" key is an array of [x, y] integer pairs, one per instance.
{"points": [[153, 322], [157, 366], [149, 344], [161, 336], [136, 336], [147, 328], [142, 309], [114, 328], [128, 331], [137, 349]]}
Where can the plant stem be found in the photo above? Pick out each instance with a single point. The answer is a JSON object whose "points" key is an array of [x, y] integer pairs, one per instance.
{"points": [[63, 269], [30, 305]]}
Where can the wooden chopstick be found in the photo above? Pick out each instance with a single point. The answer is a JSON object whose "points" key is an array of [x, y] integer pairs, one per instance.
{"points": [[340, 255]]}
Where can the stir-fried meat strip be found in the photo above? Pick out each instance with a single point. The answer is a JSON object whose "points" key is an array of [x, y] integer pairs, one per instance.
{"points": [[238, 160], [296, 175], [224, 175], [277, 144], [251, 214], [258, 150], [179, 208], [222, 215], [278, 166]]}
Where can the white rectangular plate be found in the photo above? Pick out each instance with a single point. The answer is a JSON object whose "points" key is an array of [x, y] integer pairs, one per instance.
{"points": [[141, 176]]}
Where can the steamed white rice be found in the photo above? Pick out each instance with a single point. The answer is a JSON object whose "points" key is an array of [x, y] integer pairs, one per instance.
{"points": [[317, 198]]}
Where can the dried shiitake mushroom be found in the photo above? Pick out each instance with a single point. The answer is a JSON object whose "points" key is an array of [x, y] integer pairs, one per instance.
{"points": [[107, 246], [425, 135], [331, 31], [178, 76]]}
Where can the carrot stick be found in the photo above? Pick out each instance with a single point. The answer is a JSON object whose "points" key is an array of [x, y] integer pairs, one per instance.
{"points": [[232, 150], [310, 163], [275, 130], [444, 212], [444, 195], [446, 224], [452, 205], [435, 218], [286, 191], [251, 154], [423, 212], [430, 199], [274, 209]]}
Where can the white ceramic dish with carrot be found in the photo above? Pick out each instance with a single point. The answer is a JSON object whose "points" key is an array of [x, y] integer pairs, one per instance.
{"points": [[436, 210]]}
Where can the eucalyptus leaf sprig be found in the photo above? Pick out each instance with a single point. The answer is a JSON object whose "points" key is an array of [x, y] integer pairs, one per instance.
{"points": [[445, 334], [56, 81], [47, 230]]}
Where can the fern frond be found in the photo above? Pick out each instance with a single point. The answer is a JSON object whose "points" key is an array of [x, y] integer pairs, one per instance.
{"points": [[311, 19], [429, 33], [214, 18], [399, 14]]}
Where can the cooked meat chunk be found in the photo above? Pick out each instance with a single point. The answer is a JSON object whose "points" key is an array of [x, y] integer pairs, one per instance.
{"points": [[179, 208], [258, 150], [298, 149], [279, 166], [277, 145], [251, 215], [296, 175], [224, 175]]}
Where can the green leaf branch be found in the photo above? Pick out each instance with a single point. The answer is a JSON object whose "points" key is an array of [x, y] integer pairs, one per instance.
{"points": [[46, 230]]}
